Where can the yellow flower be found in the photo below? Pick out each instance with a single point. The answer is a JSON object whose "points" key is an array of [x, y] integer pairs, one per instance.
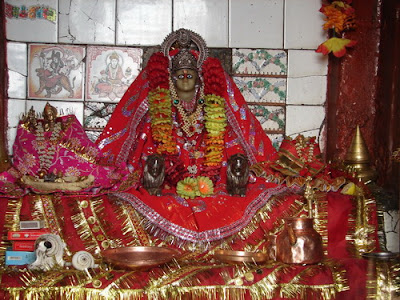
{"points": [[350, 189], [335, 45]]}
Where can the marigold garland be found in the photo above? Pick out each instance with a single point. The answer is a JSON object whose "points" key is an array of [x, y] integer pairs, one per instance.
{"points": [[160, 109], [215, 124], [339, 17], [161, 120]]}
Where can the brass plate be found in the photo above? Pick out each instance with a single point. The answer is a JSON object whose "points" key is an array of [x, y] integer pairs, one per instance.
{"points": [[380, 255], [234, 257], [139, 257]]}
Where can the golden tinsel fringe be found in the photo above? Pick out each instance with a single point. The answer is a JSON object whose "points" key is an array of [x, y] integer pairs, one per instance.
{"points": [[83, 229], [261, 215], [97, 208], [383, 279], [264, 212], [43, 208], [321, 218], [180, 282], [11, 223], [131, 224], [360, 235], [50, 293]]}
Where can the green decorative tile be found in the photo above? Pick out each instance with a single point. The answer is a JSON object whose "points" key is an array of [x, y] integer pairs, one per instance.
{"points": [[271, 118], [259, 61], [262, 89]]}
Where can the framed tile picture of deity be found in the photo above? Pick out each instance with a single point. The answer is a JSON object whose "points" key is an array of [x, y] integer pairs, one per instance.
{"points": [[56, 72], [110, 71]]}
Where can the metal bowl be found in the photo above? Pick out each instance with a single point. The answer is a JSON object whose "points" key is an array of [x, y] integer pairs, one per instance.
{"points": [[139, 257], [380, 255], [235, 257]]}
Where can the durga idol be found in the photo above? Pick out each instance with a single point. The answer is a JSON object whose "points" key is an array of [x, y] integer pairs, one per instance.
{"points": [[186, 109]]}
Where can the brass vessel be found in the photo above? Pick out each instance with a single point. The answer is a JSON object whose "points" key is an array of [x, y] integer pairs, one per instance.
{"points": [[357, 158], [299, 242], [238, 257], [139, 257]]}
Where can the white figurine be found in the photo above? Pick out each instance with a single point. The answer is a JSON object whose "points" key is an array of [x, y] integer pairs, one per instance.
{"points": [[49, 249], [83, 260]]}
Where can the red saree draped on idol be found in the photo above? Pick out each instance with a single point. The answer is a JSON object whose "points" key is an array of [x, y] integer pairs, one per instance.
{"points": [[127, 140]]}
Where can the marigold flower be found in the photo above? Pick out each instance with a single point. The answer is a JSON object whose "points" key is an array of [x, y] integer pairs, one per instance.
{"points": [[335, 45], [187, 188], [205, 186], [339, 16]]}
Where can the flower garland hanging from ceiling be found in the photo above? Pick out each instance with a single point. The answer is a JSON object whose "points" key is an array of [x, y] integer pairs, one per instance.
{"points": [[339, 17]]}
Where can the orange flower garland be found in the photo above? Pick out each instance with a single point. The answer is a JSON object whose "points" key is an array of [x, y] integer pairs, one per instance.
{"points": [[339, 16], [215, 125], [160, 110], [161, 120]]}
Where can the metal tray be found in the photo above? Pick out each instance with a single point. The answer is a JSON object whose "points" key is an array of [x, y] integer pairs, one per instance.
{"points": [[139, 257], [235, 257], [380, 255]]}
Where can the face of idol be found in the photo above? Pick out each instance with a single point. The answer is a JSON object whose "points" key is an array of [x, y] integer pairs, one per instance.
{"points": [[186, 80]]}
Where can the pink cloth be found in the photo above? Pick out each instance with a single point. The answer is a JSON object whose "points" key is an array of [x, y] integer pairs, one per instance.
{"points": [[69, 152]]}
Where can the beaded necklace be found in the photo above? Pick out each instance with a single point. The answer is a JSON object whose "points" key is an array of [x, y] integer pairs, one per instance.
{"points": [[189, 120]]}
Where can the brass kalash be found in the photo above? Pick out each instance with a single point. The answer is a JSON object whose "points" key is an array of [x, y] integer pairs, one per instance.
{"points": [[299, 242]]}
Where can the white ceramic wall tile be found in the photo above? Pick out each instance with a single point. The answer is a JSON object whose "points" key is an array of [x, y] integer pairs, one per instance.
{"points": [[17, 57], [306, 63], [301, 119], [31, 20], [256, 23], [303, 24], [16, 108], [208, 18], [11, 134], [16, 85], [391, 224], [87, 21], [143, 22], [63, 108], [56, 72], [110, 71], [306, 90]]}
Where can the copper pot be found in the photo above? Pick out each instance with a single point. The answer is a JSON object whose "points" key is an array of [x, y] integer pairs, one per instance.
{"points": [[299, 242]]}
